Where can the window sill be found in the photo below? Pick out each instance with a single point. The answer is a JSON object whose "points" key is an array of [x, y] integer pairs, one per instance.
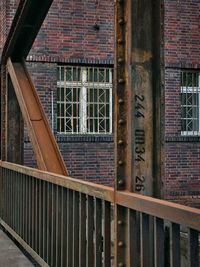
{"points": [[194, 139], [91, 138]]}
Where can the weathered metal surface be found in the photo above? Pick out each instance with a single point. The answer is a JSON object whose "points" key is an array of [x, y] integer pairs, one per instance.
{"points": [[137, 108], [44, 145], [137, 95], [54, 223], [15, 128], [160, 208]]}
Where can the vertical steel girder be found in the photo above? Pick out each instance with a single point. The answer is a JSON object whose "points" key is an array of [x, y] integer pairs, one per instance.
{"points": [[138, 94], [28, 19]]}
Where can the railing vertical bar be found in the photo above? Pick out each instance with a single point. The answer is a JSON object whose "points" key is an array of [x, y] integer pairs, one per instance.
{"points": [[58, 226], [193, 248], [11, 210], [1, 195], [76, 229], [64, 228], [53, 227], [36, 214], [44, 226], [83, 231], [70, 207], [145, 240], [16, 204], [134, 238], [29, 210], [98, 233], [10, 198], [49, 223], [175, 245], [20, 204], [7, 179], [3, 202], [23, 206], [17, 201], [159, 238], [14, 201], [26, 209], [90, 231], [33, 210], [40, 251], [107, 235], [5, 173]]}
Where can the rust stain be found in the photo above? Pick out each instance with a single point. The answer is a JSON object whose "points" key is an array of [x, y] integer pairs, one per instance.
{"points": [[140, 55]]}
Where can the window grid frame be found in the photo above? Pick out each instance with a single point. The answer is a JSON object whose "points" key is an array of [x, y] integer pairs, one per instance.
{"points": [[194, 90], [84, 125]]}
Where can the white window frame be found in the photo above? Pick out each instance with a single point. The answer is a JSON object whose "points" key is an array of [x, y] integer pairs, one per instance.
{"points": [[192, 90], [84, 84]]}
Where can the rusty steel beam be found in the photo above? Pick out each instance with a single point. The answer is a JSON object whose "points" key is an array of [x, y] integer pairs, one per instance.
{"points": [[138, 87], [15, 128], [26, 24], [44, 145]]}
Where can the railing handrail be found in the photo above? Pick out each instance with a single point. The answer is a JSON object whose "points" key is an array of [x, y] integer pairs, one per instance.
{"points": [[163, 209]]}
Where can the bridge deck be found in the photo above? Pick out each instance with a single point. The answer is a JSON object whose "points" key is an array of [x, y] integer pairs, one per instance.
{"points": [[10, 254]]}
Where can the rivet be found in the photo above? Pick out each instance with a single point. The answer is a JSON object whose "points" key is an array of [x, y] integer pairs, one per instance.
{"points": [[120, 162], [120, 244], [120, 60], [121, 122], [120, 142], [121, 101], [119, 41], [120, 222], [120, 182], [121, 22], [121, 81], [121, 264]]}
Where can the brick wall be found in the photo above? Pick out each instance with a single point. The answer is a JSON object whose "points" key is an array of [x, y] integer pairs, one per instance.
{"points": [[182, 33], [2, 24], [182, 51], [68, 33]]}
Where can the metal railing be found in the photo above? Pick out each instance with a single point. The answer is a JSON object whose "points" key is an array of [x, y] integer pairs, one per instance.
{"points": [[62, 221]]}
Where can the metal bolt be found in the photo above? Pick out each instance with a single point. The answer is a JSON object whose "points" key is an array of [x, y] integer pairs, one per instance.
{"points": [[120, 162], [119, 41], [121, 22], [121, 122], [120, 244], [121, 81], [121, 101], [120, 182], [120, 264], [121, 142], [120, 60]]}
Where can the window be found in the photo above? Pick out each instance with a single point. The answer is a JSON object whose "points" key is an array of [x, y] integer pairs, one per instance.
{"points": [[190, 103], [84, 100]]}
